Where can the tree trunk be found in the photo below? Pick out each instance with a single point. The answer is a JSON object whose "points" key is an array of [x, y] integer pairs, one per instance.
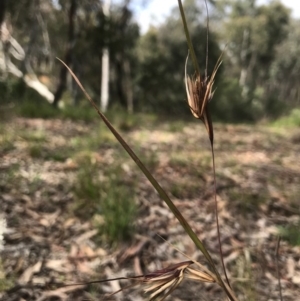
{"points": [[2, 11], [128, 86], [105, 80], [105, 67], [68, 55], [244, 69]]}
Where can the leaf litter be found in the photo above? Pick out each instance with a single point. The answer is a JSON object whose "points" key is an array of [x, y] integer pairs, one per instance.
{"points": [[47, 245]]}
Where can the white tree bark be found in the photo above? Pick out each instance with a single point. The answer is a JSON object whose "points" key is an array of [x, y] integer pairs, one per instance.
{"points": [[10, 47], [105, 67], [105, 80]]}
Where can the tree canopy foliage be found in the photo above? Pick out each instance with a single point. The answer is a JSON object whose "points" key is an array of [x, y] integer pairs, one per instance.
{"points": [[259, 75]]}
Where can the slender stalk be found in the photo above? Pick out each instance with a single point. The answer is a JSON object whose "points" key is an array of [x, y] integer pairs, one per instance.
{"points": [[217, 214], [277, 267], [188, 39], [207, 33]]}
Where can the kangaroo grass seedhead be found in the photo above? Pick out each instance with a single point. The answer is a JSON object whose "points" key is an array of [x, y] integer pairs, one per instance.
{"points": [[162, 283], [199, 92]]}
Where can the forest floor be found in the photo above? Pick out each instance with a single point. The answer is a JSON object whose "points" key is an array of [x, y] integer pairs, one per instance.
{"points": [[78, 209]]}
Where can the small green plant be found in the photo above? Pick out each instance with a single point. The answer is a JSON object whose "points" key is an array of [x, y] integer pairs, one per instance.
{"points": [[36, 109], [87, 186], [35, 184], [183, 189], [176, 126], [34, 136], [117, 205], [59, 155], [93, 141], [36, 150], [107, 197], [7, 138], [150, 158], [5, 282], [244, 271], [125, 121], [6, 144], [291, 233], [245, 200], [179, 161], [80, 112], [9, 177]]}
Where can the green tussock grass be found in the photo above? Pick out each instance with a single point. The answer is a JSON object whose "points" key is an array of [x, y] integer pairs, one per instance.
{"points": [[106, 197], [291, 233]]}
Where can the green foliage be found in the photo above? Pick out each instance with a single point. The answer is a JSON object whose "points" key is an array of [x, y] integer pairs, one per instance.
{"points": [[285, 68], [243, 265], [6, 91], [24, 101], [37, 107], [125, 121], [261, 59], [9, 177], [58, 154], [6, 143], [162, 53], [33, 109], [80, 112], [247, 201], [87, 186], [253, 34], [118, 209], [107, 199], [228, 103], [37, 147], [5, 282], [91, 142], [35, 184], [291, 233], [256, 30], [38, 136], [292, 120], [36, 150], [177, 126]]}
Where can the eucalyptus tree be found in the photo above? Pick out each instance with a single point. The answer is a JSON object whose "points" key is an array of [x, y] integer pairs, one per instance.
{"points": [[253, 34]]}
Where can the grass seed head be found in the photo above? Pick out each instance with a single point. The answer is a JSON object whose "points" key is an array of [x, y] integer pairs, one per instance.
{"points": [[162, 283], [199, 92]]}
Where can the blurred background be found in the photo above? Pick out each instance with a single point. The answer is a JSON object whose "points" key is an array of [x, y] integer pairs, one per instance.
{"points": [[131, 54], [75, 207]]}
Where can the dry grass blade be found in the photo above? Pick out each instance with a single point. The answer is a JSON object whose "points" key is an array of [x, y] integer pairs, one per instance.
{"points": [[162, 283], [199, 275]]}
